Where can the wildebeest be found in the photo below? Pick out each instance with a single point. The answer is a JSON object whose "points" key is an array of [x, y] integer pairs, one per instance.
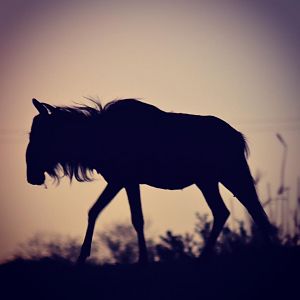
{"points": [[131, 143]]}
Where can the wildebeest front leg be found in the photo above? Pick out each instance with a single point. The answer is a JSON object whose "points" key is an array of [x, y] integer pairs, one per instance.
{"points": [[107, 195], [134, 198]]}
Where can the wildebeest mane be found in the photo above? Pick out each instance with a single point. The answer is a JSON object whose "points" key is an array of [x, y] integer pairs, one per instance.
{"points": [[77, 114]]}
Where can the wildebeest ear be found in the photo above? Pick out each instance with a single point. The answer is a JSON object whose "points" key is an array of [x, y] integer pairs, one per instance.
{"points": [[43, 108]]}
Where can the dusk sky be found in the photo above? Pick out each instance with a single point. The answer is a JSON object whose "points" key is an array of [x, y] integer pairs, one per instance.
{"points": [[235, 59]]}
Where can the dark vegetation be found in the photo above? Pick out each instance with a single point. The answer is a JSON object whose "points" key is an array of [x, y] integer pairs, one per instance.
{"points": [[242, 267]]}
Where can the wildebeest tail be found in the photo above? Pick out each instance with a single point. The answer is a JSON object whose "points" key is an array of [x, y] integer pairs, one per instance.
{"points": [[244, 145]]}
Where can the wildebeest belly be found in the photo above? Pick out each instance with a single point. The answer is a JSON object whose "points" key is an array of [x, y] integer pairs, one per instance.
{"points": [[168, 174], [171, 179]]}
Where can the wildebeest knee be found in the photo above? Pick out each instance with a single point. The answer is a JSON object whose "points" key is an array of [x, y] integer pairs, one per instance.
{"points": [[92, 214], [138, 224]]}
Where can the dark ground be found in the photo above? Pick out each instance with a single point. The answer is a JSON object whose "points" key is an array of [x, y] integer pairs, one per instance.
{"points": [[249, 274]]}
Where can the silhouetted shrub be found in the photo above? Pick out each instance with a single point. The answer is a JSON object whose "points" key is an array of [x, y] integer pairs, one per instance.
{"points": [[53, 246], [119, 244], [173, 247]]}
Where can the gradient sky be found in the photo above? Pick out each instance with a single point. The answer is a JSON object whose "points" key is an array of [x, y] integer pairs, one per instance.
{"points": [[238, 60]]}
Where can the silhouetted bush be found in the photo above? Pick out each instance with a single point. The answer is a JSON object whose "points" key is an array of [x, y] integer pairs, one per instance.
{"points": [[52, 246], [173, 247], [121, 243], [118, 245]]}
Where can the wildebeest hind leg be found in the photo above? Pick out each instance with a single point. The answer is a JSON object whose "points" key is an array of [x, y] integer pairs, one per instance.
{"points": [[241, 184], [219, 210]]}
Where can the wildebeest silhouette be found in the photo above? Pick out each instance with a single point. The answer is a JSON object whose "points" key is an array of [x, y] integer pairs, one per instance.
{"points": [[131, 143]]}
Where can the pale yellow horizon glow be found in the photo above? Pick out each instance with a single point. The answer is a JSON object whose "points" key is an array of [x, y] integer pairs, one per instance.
{"points": [[199, 57]]}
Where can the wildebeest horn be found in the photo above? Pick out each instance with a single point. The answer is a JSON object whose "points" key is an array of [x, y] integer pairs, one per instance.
{"points": [[43, 108]]}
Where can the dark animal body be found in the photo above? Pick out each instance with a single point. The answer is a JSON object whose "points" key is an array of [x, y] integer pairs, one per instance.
{"points": [[131, 143]]}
